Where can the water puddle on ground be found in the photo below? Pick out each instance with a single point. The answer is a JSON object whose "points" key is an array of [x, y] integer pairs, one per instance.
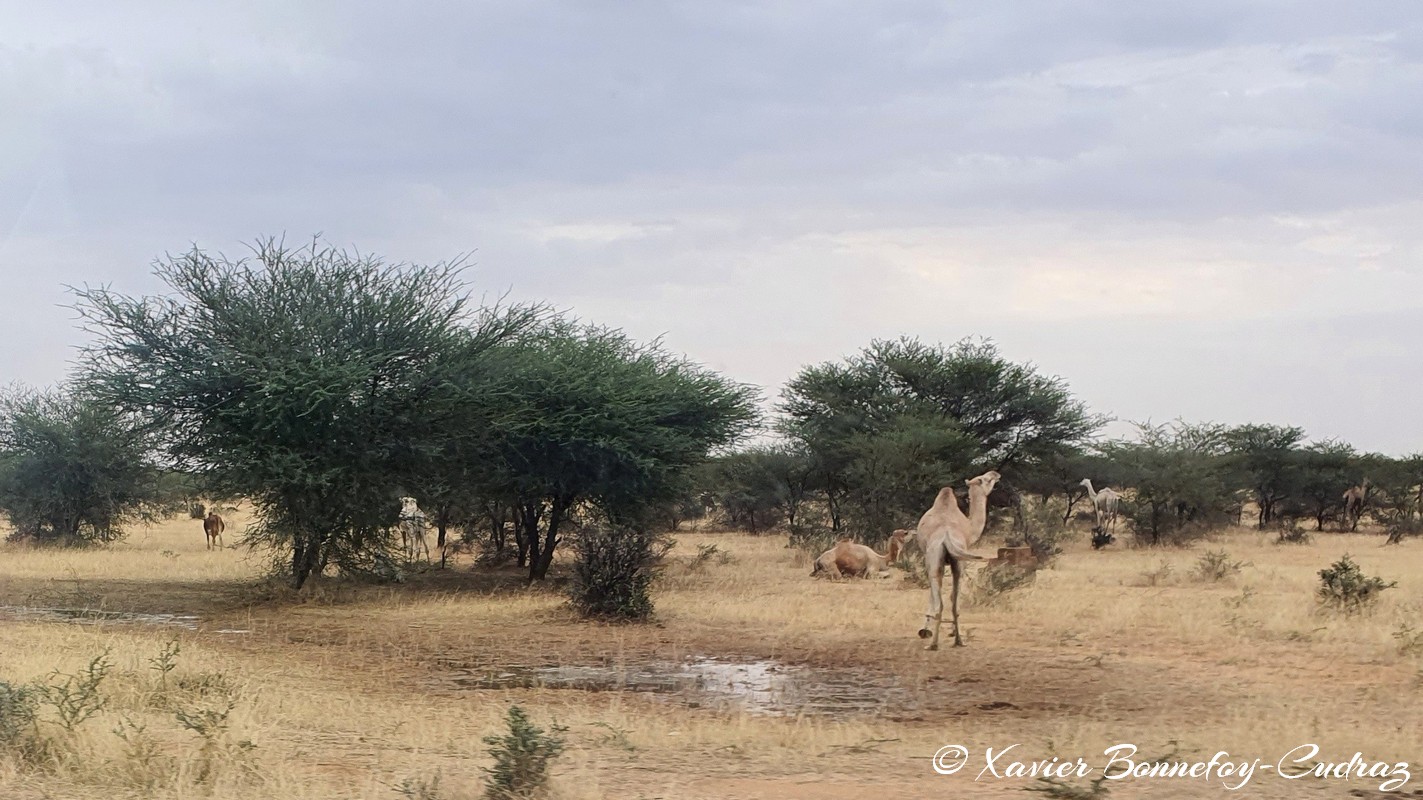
{"points": [[90, 616], [755, 687]]}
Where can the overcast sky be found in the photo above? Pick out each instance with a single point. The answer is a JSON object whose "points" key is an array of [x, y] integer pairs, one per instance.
{"points": [[1207, 210]]}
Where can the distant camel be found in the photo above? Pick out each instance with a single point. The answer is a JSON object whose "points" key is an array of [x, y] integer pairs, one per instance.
{"points": [[213, 526], [412, 529], [1104, 503], [945, 534], [847, 559], [1354, 499]]}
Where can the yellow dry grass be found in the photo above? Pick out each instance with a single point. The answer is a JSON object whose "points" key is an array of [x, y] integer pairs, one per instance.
{"points": [[345, 692]]}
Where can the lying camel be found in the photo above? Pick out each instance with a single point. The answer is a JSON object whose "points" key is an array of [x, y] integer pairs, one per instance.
{"points": [[847, 559]]}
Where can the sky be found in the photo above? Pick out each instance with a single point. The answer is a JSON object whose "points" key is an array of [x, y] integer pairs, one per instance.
{"points": [[1206, 210]]}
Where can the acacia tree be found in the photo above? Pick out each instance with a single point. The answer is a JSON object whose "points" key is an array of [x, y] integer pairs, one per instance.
{"points": [[582, 415], [1326, 470], [1269, 458], [1179, 474], [73, 470], [957, 408], [315, 382]]}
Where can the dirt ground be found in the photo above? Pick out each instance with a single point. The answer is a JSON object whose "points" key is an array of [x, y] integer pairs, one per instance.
{"points": [[755, 681]]}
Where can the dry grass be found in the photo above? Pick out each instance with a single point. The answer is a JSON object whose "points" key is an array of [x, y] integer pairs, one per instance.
{"points": [[345, 692]]}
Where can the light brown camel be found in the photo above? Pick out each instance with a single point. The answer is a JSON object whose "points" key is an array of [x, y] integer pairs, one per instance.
{"points": [[847, 559], [413, 525], [213, 526], [1104, 503], [945, 534], [1354, 499]]}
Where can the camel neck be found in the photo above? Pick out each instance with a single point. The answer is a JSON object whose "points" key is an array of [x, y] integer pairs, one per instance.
{"points": [[977, 514]]}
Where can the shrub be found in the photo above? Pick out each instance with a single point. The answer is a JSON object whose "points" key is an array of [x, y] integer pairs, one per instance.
{"points": [[17, 714], [812, 539], [1400, 528], [1216, 566], [1292, 532], [1345, 587], [1043, 530], [197, 511], [78, 698], [521, 758], [613, 572]]}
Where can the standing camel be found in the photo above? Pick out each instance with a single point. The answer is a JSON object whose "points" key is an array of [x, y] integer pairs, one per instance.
{"points": [[856, 560], [945, 534], [412, 529], [213, 526], [1354, 499], [1104, 503]]}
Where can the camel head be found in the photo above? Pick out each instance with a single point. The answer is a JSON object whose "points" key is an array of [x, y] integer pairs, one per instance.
{"points": [[984, 482], [1085, 482]]}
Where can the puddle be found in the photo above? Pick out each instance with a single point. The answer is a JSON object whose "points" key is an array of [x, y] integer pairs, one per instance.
{"points": [[89, 616], [756, 687]]}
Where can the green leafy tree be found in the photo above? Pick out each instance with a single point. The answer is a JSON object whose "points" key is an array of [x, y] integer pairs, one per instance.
{"points": [[1326, 470], [73, 470], [757, 487], [582, 415], [1180, 479], [1268, 457], [957, 408], [315, 382]]}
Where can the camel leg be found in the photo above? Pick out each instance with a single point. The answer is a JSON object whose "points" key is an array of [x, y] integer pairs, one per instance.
{"points": [[935, 617], [956, 567]]}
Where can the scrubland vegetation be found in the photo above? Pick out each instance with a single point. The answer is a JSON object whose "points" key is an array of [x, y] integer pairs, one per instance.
{"points": [[602, 524]]}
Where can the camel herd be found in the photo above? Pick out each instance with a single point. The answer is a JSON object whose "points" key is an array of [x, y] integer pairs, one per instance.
{"points": [[944, 535]]}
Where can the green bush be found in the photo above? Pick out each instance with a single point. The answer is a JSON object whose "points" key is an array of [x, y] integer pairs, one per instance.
{"points": [[613, 572], [521, 758], [1215, 566], [1345, 587], [18, 705]]}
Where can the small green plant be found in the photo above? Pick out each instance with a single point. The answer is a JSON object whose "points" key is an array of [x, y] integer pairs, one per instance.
{"points": [[521, 758], [1242, 599], [1160, 575], [1215, 566], [706, 553], [420, 789], [616, 736], [1293, 533], [1344, 587], [1409, 638], [143, 761], [996, 582], [78, 698], [18, 705], [166, 660], [210, 724]]}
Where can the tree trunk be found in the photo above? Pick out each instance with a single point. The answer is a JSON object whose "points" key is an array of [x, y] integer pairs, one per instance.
{"points": [[526, 532], [306, 554], [538, 567]]}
